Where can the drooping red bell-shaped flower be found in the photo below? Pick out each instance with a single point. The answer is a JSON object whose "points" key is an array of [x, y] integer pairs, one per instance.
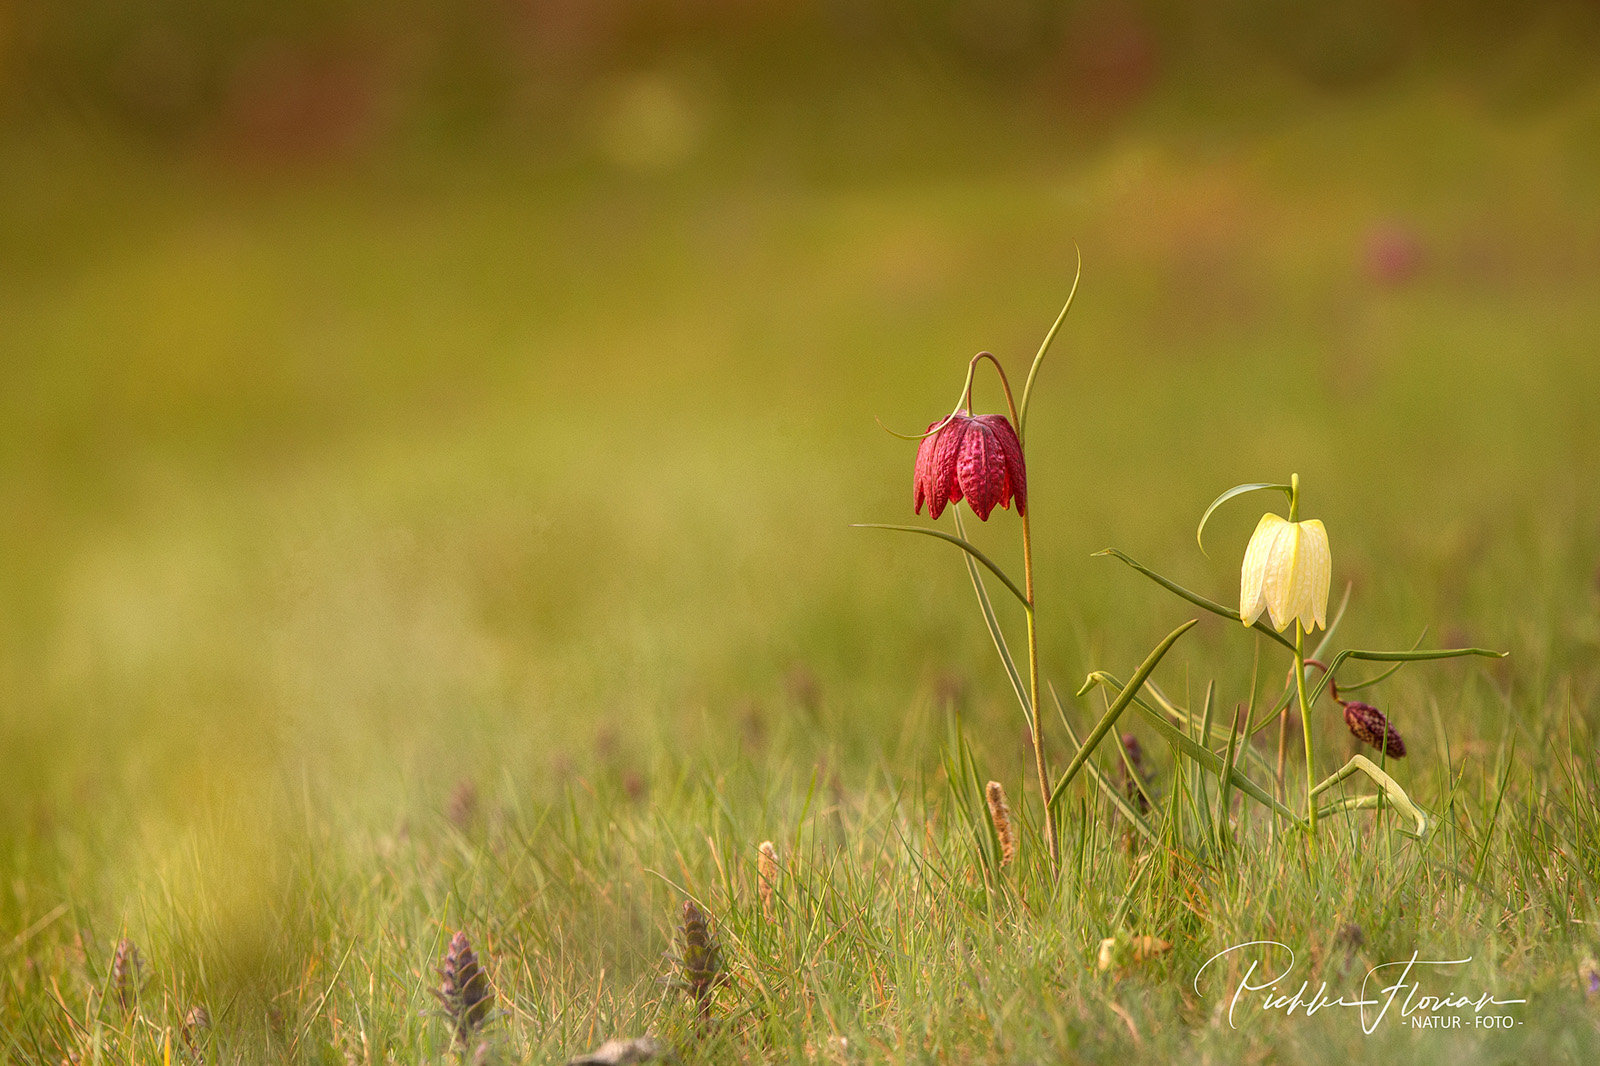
{"points": [[976, 459]]}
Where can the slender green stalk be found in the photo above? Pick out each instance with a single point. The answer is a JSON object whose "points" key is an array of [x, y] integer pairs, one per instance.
{"points": [[1300, 678], [1283, 744], [1305, 720], [1033, 697], [1036, 720], [1021, 418]]}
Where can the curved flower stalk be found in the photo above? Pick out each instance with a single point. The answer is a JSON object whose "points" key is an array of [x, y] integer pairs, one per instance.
{"points": [[1286, 574], [980, 460]]}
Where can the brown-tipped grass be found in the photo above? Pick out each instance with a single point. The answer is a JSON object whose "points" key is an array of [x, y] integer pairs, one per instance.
{"points": [[767, 872], [1000, 816]]}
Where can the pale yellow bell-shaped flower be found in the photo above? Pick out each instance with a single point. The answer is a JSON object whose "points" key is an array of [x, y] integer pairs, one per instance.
{"points": [[1287, 571]]}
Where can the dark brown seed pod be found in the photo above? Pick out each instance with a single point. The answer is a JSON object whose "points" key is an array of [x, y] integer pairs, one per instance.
{"points": [[1368, 725], [125, 966], [463, 989], [701, 958]]}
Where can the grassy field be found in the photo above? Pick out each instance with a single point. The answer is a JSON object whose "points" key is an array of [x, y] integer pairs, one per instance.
{"points": [[422, 547]]}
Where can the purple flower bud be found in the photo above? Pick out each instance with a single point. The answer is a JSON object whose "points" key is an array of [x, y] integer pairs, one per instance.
{"points": [[1368, 725]]}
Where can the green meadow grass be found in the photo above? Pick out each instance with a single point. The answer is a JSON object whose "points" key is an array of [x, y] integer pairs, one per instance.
{"points": [[328, 496]]}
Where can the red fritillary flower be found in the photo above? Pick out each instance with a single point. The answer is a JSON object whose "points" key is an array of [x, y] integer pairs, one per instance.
{"points": [[976, 459]]}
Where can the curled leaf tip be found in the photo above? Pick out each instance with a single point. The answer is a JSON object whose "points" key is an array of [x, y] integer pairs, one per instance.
{"points": [[1237, 490]]}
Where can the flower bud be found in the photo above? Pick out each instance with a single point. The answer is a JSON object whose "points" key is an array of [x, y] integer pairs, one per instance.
{"points": [[1368, 725]]}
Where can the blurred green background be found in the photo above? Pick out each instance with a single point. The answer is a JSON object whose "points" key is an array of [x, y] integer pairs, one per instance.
{"points": [[397, 393]]}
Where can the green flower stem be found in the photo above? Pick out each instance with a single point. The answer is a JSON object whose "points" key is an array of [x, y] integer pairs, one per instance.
{"points": [[1300, 677], [1036, 719], [1033, 700], [1305, 720]]}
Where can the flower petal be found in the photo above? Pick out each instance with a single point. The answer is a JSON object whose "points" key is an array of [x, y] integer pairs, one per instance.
{"points": [[944, 487], [1317, 563], [1011, 452], [922, 473], [981, 470], [1253, 571], [1277, 579]]}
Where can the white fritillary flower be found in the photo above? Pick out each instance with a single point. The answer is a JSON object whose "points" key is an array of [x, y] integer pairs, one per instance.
{"points": [[1286, 572]]}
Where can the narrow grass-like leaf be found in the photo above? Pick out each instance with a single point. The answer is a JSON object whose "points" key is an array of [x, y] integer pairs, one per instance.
{"points": [[1225, 787], [959, 542], [1255, 685], [1396, 795], [1049, 338], [1202, 798], [1112, 793], [1494, 816], [1237, 490], [1205, 757], [990, 620], [1109, 719], [1194, 597], [956, 759], [1387, 674], [1185, 719], [1121, 913], [1396, 657], [1132, 770]]}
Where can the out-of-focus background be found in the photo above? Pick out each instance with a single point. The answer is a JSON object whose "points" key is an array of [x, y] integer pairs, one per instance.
{"points": [[392, 393]]}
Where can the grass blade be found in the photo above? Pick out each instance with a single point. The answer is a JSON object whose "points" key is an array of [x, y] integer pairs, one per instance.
{"points": [[1205, 757], [989, 619], [1113, 793], [1225, 788], [1202, 799], [1109, 719]]}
